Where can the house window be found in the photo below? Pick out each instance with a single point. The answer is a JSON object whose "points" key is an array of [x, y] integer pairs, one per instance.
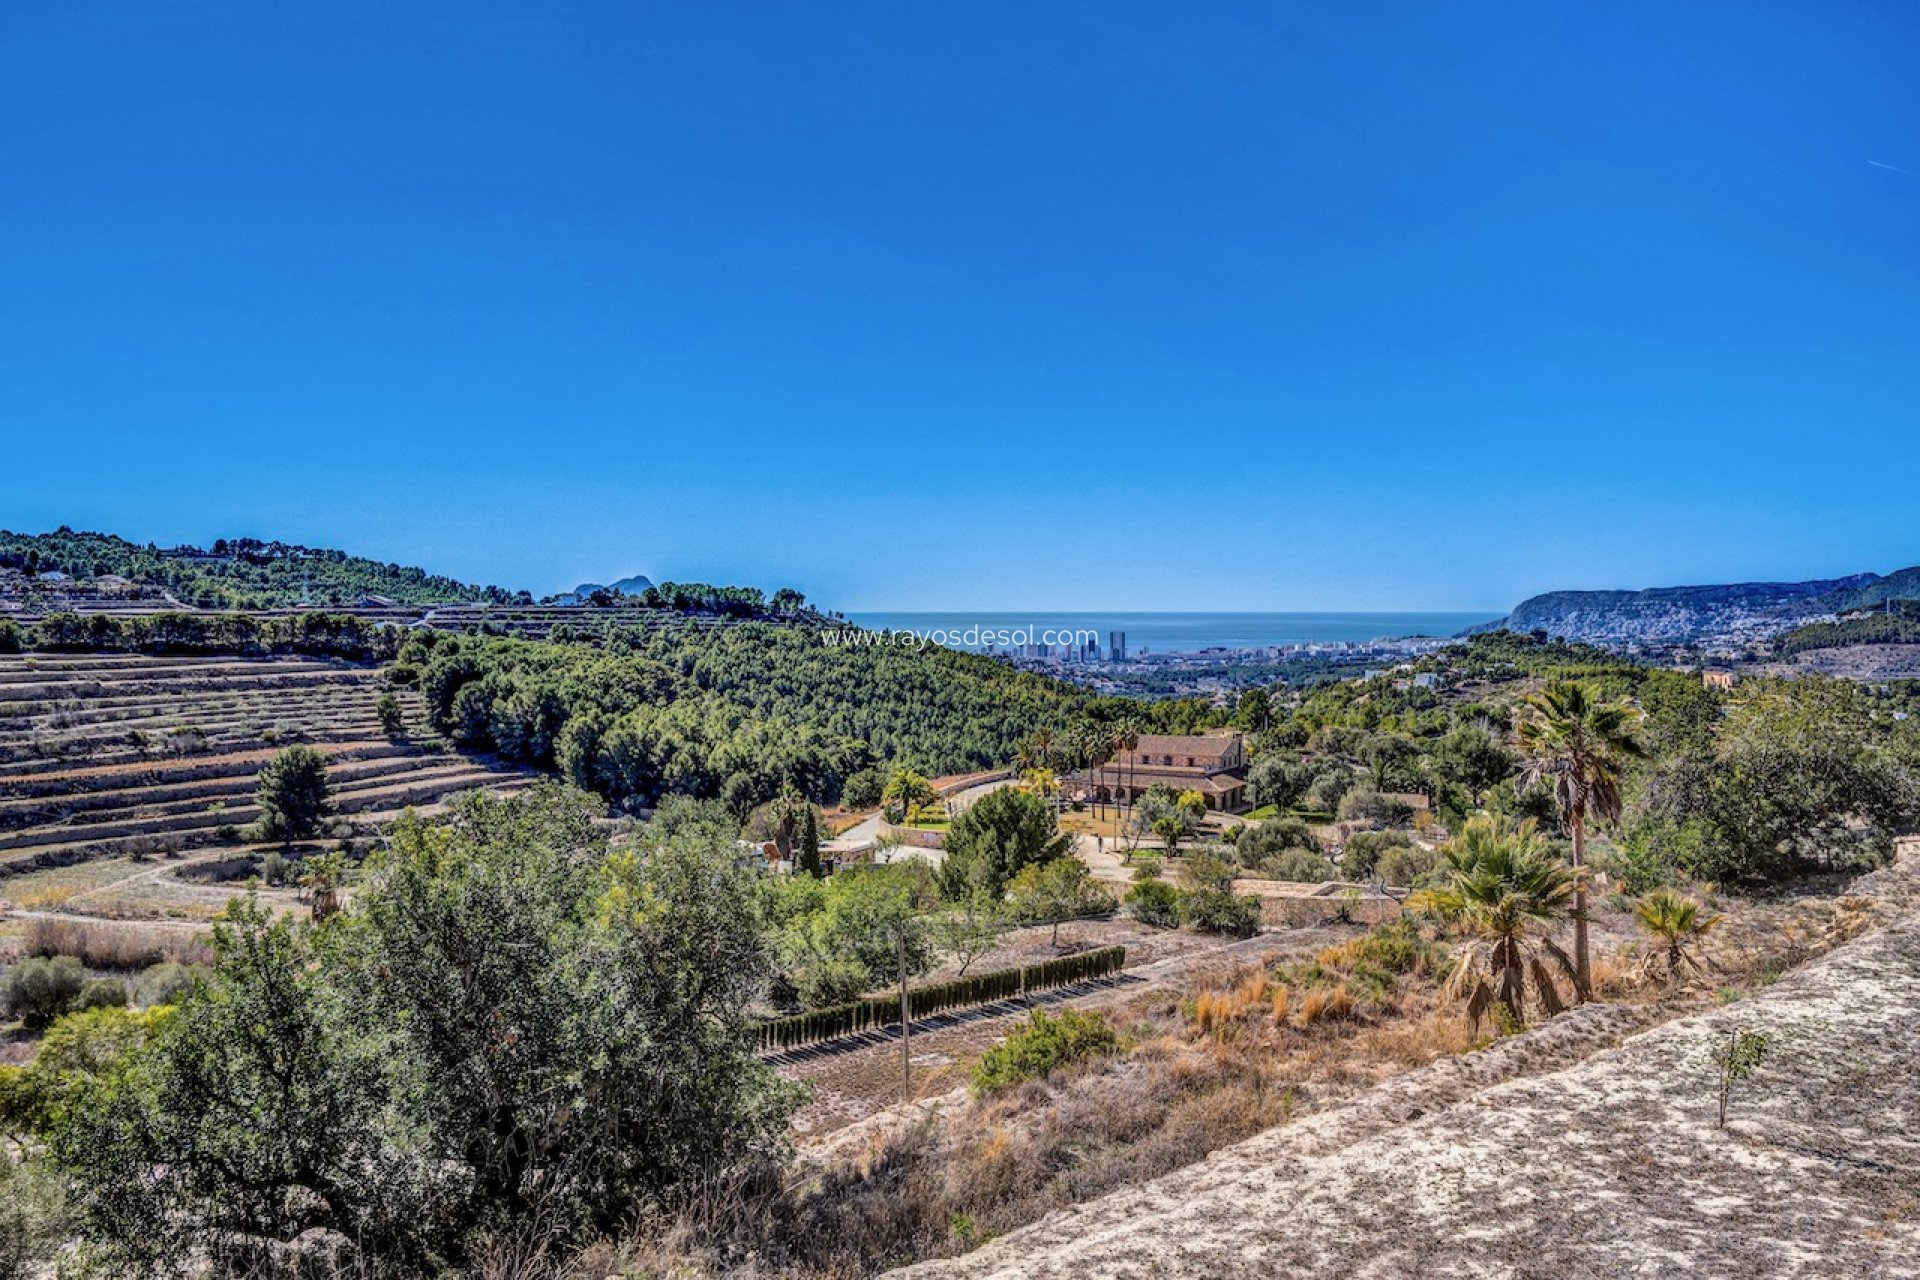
{"points": [[1189, 762]]}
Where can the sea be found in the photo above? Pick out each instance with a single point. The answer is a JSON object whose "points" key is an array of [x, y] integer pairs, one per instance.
{"points": [[1167, 632]]}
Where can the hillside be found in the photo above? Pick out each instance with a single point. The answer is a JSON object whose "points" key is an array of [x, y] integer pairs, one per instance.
{"points": [[107, 754], [1559, 1154], [1737, 613], [232, 573], [1903, 584]]}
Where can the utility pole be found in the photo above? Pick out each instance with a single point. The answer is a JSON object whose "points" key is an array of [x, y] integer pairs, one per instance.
{"points": [[906, 1058]]}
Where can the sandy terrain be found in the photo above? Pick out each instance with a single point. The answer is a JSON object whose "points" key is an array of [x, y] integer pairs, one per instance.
{"points": [[1586, 1148]]}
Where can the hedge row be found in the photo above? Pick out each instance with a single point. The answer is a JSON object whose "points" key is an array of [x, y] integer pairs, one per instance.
{"points": [[985, 988], [325, 635]]}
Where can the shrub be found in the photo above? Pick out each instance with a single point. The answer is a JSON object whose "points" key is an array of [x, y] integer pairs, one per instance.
{"points": [[830, 982], [362, 1067], [164, 983], [275, 868], [30, 1218], [1206, 873], [1154, 902], [1329, 787], [1050, 892], [387, 707], [1405, 866], [101, 993], [1647, 859], [1303, 865], [1361, 855], [40, 989], [862, 789], [1375, 961], [1274, 835], [1044, 1045], [1371, 806], [1221, 911]]}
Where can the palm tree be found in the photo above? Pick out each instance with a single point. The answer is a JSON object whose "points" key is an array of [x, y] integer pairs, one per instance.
{"points": [[1045, 745], [1089, 743], [909, 789], [1504, 892], [785, 813], [1117, 756], [1045, 783], [1674, 921], [1580, 745], [1126, 738], [322, 877]]}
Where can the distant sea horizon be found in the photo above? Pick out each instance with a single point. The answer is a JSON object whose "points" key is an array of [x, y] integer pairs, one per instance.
{"points": [[1179, 632]]}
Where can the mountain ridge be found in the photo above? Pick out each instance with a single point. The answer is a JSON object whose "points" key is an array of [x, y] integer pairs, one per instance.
{"points": [[1726, 613], [632, 586]]}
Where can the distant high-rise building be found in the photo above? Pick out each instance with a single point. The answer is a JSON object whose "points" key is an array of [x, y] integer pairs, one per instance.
{"points": [[1116, 646]]}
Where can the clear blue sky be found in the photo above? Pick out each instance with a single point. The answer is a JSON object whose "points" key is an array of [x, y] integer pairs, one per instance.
{"points": [[1089, 305]]}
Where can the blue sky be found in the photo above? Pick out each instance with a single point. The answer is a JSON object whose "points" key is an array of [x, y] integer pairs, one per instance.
{"points": [[1021, 306]]}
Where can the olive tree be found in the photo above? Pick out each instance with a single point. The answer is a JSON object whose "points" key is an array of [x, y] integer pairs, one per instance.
{"points": [[511, 1028]]}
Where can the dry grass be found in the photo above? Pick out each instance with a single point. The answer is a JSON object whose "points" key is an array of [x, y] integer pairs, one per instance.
{"points": [[50, 896], [1240, 1047], [102, 944], [1586, 1148]]}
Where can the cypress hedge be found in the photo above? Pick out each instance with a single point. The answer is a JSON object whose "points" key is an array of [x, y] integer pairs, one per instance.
{"points": [[985, 988]]}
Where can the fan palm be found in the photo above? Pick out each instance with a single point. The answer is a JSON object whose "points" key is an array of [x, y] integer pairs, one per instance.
{"points": [[1090, 750], [1045, 744], [1578, 745], [909, 789], [322, 876], [1675, 922], [1504, 892], [1126, 738]]}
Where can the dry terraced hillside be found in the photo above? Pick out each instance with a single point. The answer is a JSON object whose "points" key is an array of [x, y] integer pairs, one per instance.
{"points": [[110, 760]]}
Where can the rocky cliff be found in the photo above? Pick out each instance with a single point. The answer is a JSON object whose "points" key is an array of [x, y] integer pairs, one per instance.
{"points": [[1731, 613]]}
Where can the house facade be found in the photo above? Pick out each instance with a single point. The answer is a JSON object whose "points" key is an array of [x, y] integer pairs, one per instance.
{"points": [[1213, 764]]}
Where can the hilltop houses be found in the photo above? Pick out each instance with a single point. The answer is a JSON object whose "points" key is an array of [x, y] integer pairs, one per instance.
{"points": [[1213, 764]]}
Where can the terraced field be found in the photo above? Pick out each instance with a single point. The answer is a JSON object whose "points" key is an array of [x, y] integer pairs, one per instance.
{"points": [[109, 763]]}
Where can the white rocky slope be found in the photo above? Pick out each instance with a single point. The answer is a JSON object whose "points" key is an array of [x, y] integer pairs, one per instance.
{"points": [[1610, 1167]]}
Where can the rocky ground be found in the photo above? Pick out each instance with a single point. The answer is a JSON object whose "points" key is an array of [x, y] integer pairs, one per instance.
{"points": [[1588, 1147]]}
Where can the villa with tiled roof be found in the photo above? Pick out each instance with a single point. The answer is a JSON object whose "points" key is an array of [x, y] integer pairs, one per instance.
{"points": [[1213, 764]]}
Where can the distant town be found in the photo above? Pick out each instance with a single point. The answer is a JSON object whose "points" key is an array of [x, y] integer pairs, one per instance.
{"points": [[1219, 672]]}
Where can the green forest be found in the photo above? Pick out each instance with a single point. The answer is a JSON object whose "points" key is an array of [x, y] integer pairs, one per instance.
{"points": [[1902, 626], [238, 573], [738, 712]]}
